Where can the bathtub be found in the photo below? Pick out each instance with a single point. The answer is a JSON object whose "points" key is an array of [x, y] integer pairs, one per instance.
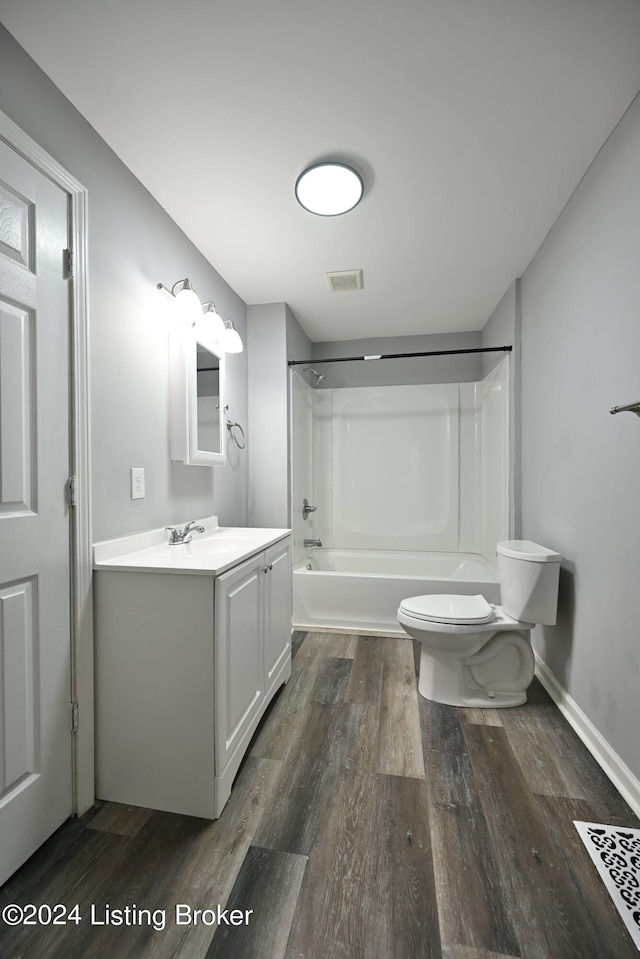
{"points": [[361, 590]]}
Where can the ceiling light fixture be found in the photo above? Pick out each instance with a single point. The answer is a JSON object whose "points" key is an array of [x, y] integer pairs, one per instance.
{"points": [[329, 189]]}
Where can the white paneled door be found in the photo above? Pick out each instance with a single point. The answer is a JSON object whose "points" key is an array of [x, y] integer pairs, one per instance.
{"points": [[35, 647]]}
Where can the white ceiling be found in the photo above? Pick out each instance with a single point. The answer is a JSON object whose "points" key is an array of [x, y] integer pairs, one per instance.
{"points": [[472, 122]]}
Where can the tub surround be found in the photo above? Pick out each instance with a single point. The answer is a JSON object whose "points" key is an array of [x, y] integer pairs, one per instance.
{"points": [[411, 485], [408, 467]]}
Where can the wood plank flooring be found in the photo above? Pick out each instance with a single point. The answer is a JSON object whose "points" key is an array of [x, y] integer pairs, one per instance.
{"points": [[365, 823]]}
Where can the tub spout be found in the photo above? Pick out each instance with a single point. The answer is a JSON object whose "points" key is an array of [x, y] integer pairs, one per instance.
{"points": [[313, 542]]}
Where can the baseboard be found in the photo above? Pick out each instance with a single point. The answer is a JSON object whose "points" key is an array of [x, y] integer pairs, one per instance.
{"points": [[389, 633], [618, 772]]}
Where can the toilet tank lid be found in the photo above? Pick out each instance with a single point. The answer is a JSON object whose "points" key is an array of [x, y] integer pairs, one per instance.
{"points": [[526, 550]]}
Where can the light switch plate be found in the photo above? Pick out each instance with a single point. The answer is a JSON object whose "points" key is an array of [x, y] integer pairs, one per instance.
{"points": [[137, 482]]}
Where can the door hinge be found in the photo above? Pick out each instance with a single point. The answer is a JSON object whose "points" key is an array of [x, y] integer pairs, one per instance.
{"points": [[74, 717], [71, 491], [67, 264]]}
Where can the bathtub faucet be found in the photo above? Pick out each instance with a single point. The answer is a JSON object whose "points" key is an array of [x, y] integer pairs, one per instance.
{"points": [[306, 509], [313, 542]]}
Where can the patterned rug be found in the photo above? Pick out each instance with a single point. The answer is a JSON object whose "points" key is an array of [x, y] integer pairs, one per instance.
{"points": [[615, 852]]}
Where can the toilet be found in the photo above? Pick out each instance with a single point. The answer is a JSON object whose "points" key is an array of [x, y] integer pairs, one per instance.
{"points": [[474, 653]]}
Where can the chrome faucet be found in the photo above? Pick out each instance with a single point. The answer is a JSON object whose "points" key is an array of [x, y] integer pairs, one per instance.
{"points": [[313, 542], [183, 536], [306, 509]]}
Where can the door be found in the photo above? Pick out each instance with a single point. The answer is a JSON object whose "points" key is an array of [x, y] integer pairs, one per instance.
{"points": [[239, 687], [277, 616], [35, 648]]}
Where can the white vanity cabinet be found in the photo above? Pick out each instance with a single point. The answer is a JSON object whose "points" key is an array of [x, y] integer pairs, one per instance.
{"points": [[277, 616], [253, 649], [186, 664]]}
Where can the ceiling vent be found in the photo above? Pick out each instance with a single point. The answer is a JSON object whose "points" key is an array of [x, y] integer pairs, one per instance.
{"points": [[345, 281]]}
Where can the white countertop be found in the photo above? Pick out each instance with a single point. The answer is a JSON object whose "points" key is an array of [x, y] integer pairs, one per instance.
{"points": [[209, 553]]}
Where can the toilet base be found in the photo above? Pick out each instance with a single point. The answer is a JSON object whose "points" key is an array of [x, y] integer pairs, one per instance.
{"points": [[495, 677], [480, 700]]}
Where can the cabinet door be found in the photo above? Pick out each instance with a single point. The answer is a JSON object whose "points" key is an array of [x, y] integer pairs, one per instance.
{"points": [[277, 618], [239, 678]]}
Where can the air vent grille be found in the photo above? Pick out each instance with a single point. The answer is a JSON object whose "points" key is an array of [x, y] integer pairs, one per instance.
{"points": [[345, 281]]}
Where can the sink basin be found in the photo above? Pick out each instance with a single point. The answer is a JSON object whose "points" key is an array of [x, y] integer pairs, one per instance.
{"points": [[216, 543], [233, 535]]}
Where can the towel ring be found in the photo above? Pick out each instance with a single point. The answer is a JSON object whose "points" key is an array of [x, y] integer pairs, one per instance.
{"points": [[230, 427]]}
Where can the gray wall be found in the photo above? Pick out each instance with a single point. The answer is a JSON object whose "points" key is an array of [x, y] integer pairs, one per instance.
{"points": [[274, 337], [437, 369], [503, 329], [580, 302], [268, 414], [299, 345], [133, 244]]}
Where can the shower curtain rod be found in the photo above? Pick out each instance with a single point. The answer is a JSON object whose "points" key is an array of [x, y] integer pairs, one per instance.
{"points": [[399, 356]]}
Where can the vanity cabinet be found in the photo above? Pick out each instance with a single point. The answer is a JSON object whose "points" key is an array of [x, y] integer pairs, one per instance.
{"points": [[253, 648], [277, 616], [186, 664]]}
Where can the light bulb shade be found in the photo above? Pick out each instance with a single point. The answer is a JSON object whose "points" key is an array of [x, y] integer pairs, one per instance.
{"points": [[214, 322], [189, 305], [230, 341], [329, 189]]}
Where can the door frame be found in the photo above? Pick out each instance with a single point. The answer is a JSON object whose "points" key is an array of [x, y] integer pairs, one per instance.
{"points": [[80, 564]]}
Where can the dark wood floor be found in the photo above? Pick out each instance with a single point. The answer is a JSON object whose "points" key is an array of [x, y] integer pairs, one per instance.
{"points": [[365, 823]]}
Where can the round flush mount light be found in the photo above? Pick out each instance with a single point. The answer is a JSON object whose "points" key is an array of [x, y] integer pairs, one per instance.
{"points": [[329, 189]]}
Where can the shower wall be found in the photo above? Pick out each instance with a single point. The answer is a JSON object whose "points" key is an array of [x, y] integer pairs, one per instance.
{"points": [[421, 467]]}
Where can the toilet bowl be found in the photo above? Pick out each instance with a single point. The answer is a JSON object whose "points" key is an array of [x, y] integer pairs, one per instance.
{"points": [[477, 654]]}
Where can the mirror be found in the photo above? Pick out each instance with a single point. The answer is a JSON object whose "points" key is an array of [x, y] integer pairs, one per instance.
{"points": [[208, 400], [197, 399]]}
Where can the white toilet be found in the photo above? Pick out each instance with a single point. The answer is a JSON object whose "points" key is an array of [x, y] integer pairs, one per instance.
{"points": [[476, 654]]}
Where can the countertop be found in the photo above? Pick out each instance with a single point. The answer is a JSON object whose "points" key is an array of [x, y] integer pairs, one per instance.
{"points": [[210, 553]]}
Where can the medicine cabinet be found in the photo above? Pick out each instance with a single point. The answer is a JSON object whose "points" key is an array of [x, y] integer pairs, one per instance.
{"points": [[197, 398]]}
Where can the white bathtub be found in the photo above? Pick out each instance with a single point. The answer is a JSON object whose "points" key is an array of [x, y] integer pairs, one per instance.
{"points": [[362, 589]]}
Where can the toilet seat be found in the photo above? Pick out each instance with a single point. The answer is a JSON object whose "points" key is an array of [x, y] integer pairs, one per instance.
{"points": [[449, 608]]}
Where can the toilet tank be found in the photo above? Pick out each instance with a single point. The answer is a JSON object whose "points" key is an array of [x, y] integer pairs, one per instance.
{"points": [[528, 575]]}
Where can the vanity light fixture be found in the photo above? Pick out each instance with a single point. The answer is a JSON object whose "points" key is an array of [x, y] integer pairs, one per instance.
{"points": [[213, 319], [329, 188], [223, 331], [186, 299], [230, 341], [193, 312]]}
